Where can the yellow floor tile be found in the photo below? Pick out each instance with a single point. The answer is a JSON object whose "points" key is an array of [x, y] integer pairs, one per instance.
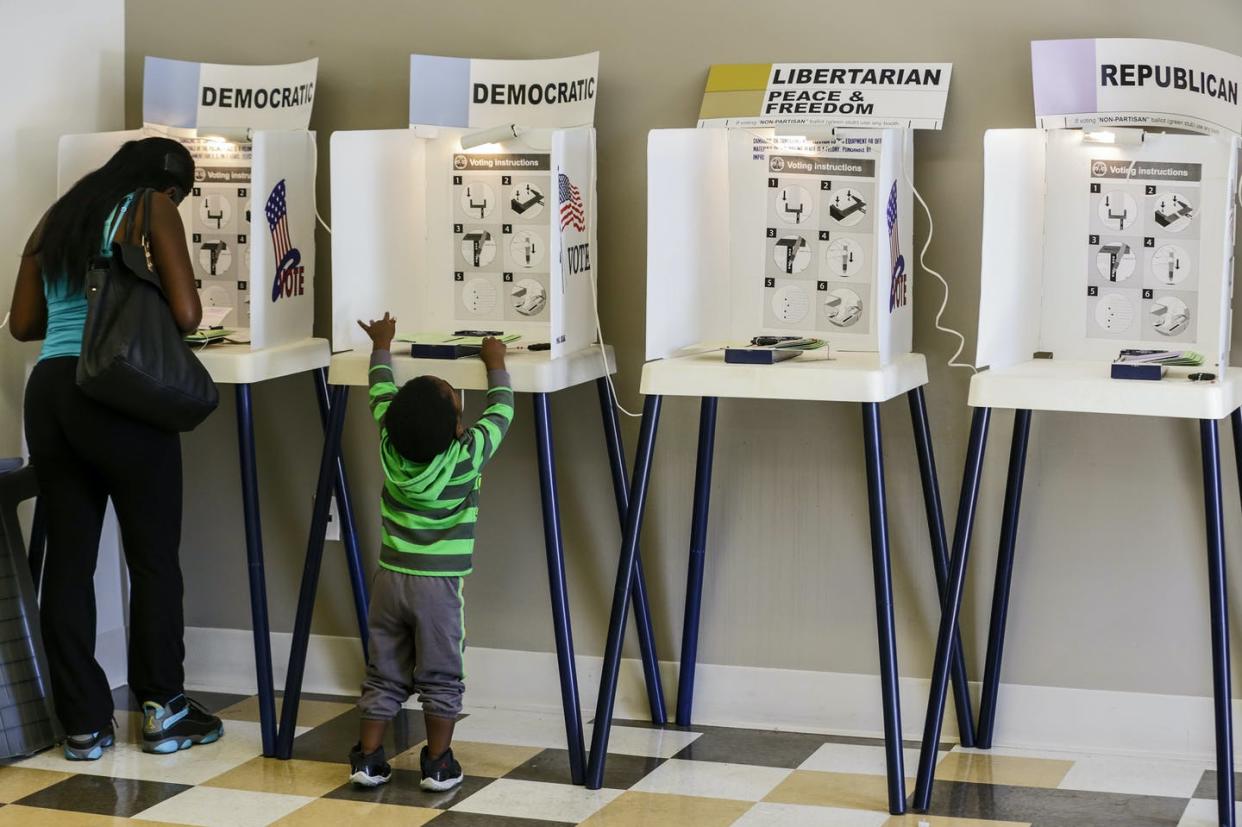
{"points": [[332, 811], [633, 809], [19, 782], [910, 820], [476, 758], [310, 713], [834, 789], [1001, 769], [269, 775], [15, 815]]}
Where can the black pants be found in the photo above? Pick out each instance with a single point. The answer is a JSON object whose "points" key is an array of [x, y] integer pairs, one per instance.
{"points": [[83, 453]]}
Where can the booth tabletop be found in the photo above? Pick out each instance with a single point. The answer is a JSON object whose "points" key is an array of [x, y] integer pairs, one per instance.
{"points": [[529, 372], [843, 377], [1086, 387], [239, 365]]}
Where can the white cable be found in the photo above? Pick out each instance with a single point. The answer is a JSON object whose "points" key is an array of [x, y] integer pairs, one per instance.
{"points": [[314, 180], [599, 329], [961, 340], [5, 322]]}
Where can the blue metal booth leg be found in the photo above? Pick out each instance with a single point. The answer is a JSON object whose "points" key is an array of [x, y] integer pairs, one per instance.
{"points": [[621, 591], [967, 503], [940, 555], [1218, 603], [698, 550], [882, 565], [555, 549], [642, 608], [254, 559], [338, 397], [1004, 577], [349, 531]]}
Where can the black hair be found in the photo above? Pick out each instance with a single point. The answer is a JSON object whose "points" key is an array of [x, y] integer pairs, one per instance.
{"points": [[74, 226], [422, 419]]}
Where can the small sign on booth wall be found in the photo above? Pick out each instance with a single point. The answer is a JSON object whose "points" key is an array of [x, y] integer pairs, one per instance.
{"points": [[870, 95]]}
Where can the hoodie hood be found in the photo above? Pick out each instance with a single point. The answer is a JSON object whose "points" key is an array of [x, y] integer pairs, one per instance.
{"points": [[419, 482]]}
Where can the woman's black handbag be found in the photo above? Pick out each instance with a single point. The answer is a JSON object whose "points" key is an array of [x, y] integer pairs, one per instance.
{"points": [[134, 358]]}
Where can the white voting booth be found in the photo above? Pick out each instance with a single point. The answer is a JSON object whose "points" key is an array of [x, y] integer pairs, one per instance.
{"points": [[480, 216], [250, 220], [1110, 227], [788, 212], [1105, 229]]}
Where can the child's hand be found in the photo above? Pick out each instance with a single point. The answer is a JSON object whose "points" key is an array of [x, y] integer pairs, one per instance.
{"points": [[493, 353], [381, 332]]}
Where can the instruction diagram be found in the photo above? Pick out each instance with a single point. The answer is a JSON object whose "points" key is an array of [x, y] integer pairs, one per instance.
{"points": [[820, 227], [219, 226], [502, 231], [1143, 248]]}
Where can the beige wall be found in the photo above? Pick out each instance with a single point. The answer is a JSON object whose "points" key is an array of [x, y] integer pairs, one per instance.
{"points": [[1111, 564]]}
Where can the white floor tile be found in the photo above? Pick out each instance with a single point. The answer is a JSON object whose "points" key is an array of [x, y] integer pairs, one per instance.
{"points": [[1136, 776], [856, 758], [240, 743], [798, 815], [1202, 813], [216, 807], [712, 779], [652, 743], [521, 729], [536, 800]]}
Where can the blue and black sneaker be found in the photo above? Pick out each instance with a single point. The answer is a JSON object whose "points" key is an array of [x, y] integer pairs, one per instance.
{"points": [[89, 747], [179, 724]]}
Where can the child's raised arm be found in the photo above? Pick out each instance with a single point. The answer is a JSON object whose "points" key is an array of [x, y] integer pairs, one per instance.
{"points": [[484, 436], [383, 385]]}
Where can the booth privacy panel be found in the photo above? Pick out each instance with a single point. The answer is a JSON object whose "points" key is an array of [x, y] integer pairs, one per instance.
{"points": [[1010, 284]]}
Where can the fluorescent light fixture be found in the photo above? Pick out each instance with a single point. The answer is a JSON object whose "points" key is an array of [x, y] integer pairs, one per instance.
{"points": [[1123, 135], [494, 135]]}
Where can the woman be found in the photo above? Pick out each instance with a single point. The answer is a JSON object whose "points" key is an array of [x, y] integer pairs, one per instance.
{"points": [[83, 453]]}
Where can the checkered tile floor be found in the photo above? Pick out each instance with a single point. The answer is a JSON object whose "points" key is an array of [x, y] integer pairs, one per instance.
{"points": [[517, 774]]}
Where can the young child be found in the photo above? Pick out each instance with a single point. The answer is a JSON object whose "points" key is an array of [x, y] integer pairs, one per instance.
{"points": [[430, 499]]}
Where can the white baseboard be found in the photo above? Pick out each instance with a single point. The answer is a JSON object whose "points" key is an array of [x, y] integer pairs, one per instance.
{"points": [[1031, 717]]}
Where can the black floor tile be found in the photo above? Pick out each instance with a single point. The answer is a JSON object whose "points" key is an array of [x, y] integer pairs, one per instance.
{"points": [[332, 740], [123, 797], [403, 790], [456, 819], [748, 746], [1054, 808], [552, 765], [1207, 785]]}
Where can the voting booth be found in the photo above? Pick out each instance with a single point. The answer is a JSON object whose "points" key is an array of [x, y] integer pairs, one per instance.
{"points": [[481, 215], [1110, 232], [788, 212], [250, 219], [1108, 228], [478, 220]]}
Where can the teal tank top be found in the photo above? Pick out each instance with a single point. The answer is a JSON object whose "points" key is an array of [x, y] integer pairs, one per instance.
{"points": [[66, 311]]}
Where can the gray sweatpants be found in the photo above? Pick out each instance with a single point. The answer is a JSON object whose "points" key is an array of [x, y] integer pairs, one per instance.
{"points": [[418, 639]]}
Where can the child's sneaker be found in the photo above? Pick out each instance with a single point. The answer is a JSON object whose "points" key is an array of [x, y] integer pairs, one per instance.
{"points": [[179, 724], [89, 747], [439, 775], [370, 769]]}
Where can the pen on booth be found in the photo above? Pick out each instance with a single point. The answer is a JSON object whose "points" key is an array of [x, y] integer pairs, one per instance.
{"points": [[530, 348]]}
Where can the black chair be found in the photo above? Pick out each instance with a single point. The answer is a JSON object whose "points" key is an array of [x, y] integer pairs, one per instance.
{"points": [[27, 720]]}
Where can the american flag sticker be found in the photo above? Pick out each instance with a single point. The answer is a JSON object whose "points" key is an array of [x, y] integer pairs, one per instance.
{"points": [[570, 200], [288, 280], [897, 295]]}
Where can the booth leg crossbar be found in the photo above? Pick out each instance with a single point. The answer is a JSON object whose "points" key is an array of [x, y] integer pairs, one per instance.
{"points": [[1218, 603], [628, 563], [331, 480]]}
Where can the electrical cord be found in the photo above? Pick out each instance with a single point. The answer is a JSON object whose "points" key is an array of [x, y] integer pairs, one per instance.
{"points": [[315, 180], [944, 302], [5, 322]]}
